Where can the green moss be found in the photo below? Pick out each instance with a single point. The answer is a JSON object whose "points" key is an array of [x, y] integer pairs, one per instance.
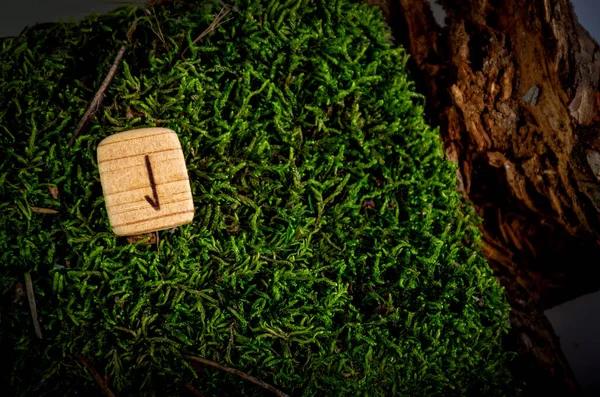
{"points": [[330, 253]]}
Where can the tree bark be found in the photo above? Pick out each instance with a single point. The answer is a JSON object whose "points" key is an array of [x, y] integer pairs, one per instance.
{"points": [[513, 86]]}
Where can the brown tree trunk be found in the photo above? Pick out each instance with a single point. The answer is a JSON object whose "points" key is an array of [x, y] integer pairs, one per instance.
{"points": [[513, 85]]}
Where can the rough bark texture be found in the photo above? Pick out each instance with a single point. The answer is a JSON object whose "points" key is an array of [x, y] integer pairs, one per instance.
{"points": [[513, 85]]}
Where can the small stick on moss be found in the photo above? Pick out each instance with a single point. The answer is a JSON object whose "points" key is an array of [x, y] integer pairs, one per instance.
{"points": [[157, 243], [41, 210], [238, 373], [159, 34], [32, 305], [97, 101], [213, 25], [96, 376], [193, 390]]}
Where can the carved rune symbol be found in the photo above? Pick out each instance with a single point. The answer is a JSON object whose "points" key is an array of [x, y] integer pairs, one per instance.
{"points": [[152, 201]]}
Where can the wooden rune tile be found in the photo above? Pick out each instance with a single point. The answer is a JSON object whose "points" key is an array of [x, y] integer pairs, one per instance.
{"points": [[144, 181]]}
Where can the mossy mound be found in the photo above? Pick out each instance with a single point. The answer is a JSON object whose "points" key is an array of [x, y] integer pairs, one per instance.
{"points": [[330, 252]]}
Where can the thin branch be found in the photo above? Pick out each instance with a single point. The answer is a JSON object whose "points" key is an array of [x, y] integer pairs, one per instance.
{"points": [[160, 33], [96, 376], [238, 373], [213, 25], [41, 210], [32, 305], [97, 101], [193, 390], [157, 243]]}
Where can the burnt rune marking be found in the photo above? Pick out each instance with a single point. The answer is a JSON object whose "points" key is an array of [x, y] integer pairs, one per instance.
{"points": [[152, 201]]}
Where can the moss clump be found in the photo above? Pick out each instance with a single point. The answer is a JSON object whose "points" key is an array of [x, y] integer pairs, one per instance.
{"points": [[330, 253]]}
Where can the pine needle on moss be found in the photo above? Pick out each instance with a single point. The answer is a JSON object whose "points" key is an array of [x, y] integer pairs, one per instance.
{"points": [[239, 373], [32, 305], [88, 365]]}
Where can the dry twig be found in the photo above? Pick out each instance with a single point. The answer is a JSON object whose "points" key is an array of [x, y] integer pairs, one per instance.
{"points": [[96, 376], [213, 25], [97, 101], [193, 390], [41, 210], [159, 34], [238, 373], [32, 305]]}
